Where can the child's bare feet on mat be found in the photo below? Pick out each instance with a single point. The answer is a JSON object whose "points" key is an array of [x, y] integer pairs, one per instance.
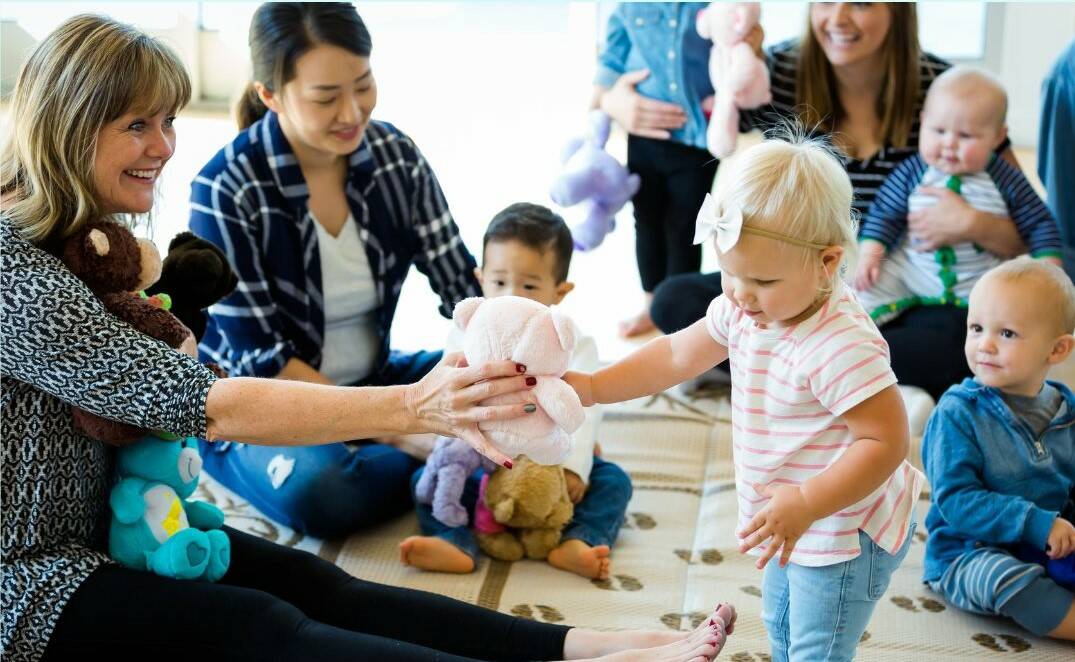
{"points": [[576, 556], [432, 553], [702, 643]]}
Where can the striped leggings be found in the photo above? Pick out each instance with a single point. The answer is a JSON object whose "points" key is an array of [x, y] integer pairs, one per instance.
{"points": [[991, 581]]}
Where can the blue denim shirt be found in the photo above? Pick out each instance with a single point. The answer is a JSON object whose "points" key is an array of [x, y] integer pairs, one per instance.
{"points": [[661, 37], [1056, 143], [994, 483]]}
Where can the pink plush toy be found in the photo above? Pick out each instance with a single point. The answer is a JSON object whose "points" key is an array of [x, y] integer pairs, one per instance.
{"points": [[740, 77], [593, 177], [542, 339]]}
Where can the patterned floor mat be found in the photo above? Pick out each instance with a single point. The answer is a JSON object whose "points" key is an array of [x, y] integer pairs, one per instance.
{"points": [[676, 555]]}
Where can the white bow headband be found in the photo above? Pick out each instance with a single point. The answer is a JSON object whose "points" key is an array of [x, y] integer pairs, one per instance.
{"points": [[729, 226]]}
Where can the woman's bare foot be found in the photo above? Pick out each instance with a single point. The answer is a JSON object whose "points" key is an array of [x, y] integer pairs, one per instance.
{"points": [[638, 325], [432, 553], [726, 612], [704, 649], [593, 644], [576, 556]]}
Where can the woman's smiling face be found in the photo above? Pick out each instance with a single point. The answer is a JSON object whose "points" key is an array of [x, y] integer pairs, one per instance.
{"points": [[327, 105], [850, 32], [131, 151]]}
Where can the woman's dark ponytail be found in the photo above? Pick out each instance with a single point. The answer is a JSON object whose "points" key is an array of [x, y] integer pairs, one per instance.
{"points": [[250, 109]]}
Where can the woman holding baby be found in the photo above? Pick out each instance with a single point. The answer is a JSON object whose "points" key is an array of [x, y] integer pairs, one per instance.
{"points": [[859, 75]]}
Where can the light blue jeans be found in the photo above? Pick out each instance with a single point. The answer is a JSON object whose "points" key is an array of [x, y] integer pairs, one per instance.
{"points": [[820, 613]]}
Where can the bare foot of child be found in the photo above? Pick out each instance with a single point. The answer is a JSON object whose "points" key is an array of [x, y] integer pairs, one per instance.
{"points": [[638, 325], [432, 553], [654, 644], [576, 556]]}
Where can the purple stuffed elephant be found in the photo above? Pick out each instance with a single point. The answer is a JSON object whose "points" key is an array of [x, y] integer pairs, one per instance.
{"points": [[592, 176], [445, 475]]}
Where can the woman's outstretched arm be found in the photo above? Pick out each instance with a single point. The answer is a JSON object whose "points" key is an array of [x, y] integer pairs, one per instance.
{"points": [[283, 412]]}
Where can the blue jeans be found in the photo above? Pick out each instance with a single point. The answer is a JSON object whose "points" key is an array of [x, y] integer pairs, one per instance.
{"points": [[820, 613], [597, 521], [329, 490]]}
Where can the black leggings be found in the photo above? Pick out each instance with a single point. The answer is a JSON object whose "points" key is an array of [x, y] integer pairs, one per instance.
{"points": [[277, 603], [675, 178], [926, 344]]}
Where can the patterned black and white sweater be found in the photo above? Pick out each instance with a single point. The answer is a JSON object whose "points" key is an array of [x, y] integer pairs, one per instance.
{"points": [[60, 347]]}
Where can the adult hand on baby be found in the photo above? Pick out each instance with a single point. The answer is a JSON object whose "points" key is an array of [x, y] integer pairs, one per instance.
{"points": [[869, 267], [944, 224], [782, 522], [446, 400], [1061, 541], [638, 114]]}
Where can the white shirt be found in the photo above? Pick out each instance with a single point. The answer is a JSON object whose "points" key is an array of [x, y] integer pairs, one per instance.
{"points": [[352, 343], [790, 387]]}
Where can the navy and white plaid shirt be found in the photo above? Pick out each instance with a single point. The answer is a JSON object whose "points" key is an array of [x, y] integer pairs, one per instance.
{"points": [[251, 201]]}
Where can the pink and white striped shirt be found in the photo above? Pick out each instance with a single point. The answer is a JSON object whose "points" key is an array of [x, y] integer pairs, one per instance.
{"points": [[789, 388]]}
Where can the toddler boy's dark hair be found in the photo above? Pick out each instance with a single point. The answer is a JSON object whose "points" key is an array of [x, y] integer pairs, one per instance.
{"points": [[536, 227]]}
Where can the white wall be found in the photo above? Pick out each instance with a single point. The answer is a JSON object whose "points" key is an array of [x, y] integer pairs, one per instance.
{"points": [[1032, 36], [15, 46]]}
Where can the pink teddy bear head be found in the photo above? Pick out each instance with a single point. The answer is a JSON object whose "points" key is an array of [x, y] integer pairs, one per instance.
{"points": [[516, 329], [543, 339], [726, 23], [740, 78]]}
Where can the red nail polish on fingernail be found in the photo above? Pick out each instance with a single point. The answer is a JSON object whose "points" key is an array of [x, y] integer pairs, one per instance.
{"points": [[519, 367], [508, 464], [531, 381]]}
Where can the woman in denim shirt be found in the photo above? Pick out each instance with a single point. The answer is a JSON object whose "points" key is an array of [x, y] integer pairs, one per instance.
{"points": [[652, 77], [321, 212]]}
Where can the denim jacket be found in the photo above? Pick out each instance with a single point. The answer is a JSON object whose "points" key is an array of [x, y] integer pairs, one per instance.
{"points": [[994, 483], [661, 37]]}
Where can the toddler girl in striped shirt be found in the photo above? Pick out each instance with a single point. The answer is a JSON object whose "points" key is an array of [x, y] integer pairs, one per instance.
{"points": [[820, 434]]}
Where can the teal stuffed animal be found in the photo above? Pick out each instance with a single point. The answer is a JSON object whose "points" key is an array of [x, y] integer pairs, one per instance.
{"points": [[154, 527]]}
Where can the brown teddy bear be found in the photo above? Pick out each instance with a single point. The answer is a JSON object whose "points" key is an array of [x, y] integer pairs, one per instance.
{"points": [[117, 267], [523, 511]]}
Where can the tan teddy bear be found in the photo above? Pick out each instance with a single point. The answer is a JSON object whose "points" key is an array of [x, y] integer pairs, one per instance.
{"points": [[522, 511]]}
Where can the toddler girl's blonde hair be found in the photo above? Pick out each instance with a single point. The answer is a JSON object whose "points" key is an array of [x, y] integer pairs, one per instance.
{"points": [[793, 187]]}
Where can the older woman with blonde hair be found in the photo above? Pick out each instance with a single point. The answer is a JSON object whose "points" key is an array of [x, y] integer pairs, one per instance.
{"points": [[859, 76], [92, 126]]}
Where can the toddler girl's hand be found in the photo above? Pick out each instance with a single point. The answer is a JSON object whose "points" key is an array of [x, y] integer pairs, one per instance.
{"points": [[782, 521], [869, 268], [582, 383], [1061, 541]]}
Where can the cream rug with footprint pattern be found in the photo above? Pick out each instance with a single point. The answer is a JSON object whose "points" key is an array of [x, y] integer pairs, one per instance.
{"points": [[676, 556]]}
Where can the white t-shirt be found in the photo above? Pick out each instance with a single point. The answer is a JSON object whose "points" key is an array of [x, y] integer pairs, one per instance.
{"points": [[790, 387], [352, 342]]}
